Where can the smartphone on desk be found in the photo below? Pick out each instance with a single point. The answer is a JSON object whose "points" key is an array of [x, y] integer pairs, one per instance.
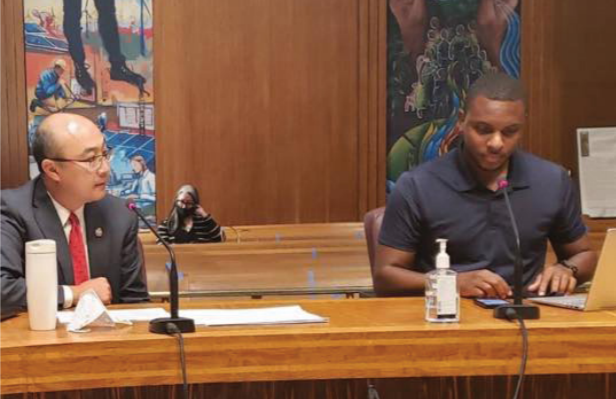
{"points": [[490, 303]]}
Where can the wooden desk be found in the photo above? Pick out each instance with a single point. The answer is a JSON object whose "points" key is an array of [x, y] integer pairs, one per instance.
{"points": [[378, 338], [322, 232], [295, 232], [221, 269], [294, 259], [269, 260]]}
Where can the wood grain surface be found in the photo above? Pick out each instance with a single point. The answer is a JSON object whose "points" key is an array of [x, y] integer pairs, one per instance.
{"points": [[273, 258], [377, 338]]}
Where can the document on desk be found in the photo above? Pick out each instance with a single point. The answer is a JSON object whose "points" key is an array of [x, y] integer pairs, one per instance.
{"points": [[274, 315], [147, 314], [597, 171]]}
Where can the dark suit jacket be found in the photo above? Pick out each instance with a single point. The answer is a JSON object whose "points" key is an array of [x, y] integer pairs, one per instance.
{"points": [[28, 214]]}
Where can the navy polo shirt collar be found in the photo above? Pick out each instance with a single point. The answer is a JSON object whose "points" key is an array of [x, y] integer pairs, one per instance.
{"points": [[458, 174]]}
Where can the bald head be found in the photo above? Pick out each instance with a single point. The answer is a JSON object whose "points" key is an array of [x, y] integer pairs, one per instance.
{"points": [[57, 132]]}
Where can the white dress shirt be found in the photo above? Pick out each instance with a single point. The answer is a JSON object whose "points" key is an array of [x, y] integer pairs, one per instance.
{"points": [[64, 215]]}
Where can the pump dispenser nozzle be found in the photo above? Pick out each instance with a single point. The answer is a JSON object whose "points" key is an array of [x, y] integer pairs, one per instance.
{"points": [[442, 259]]}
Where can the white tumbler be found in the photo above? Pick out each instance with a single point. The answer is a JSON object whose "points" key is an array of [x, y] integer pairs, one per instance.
{"points": [[42, 284]]}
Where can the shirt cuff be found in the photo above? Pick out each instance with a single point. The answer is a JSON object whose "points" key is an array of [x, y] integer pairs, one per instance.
{"points": [[68, 297]]}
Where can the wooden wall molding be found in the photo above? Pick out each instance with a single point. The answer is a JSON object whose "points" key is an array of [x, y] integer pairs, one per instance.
{"points": [[14, 146]]}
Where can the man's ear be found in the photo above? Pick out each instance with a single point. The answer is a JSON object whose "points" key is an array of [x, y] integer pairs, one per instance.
{"points": [[50, 169]]}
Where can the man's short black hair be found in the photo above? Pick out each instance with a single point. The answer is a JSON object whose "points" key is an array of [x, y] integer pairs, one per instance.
{"points": [[43, 146], [495, 86]]}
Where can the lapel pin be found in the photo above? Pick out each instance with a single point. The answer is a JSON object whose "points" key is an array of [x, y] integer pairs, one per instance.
{"points": [[98, 232]]}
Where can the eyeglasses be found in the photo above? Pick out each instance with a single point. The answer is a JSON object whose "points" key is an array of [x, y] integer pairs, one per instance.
{"points": [[93, 163]]}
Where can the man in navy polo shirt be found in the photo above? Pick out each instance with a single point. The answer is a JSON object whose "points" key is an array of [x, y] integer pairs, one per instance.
{"points": [[457, 197]]}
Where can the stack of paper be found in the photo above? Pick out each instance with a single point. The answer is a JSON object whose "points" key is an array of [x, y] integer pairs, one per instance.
{"points": [[276, 315], [216, 317], [597, 168], [66, 316]]}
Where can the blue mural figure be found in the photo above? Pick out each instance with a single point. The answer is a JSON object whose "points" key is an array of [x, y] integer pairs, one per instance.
{"points": [[121, 169], [49, 85], [142, 188], [101, 121]]}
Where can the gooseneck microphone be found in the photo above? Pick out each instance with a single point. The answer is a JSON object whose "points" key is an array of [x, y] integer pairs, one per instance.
{"points": [[518, 309], [160, 325]]}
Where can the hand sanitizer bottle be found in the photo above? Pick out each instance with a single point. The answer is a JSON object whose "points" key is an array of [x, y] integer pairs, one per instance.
{"points": [[442, 295]]}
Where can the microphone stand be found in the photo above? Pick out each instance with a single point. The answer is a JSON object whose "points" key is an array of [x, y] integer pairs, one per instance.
{"points": [[518, 309], [160, 325]]}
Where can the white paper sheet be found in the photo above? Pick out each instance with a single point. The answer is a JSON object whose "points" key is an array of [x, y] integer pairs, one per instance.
{"points": [[597, 171], [90, 311], [274, 315], [148, 314]]}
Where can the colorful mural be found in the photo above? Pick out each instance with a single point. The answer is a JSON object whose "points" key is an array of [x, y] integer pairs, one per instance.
{"points": [[95, 58], [436, 50]]}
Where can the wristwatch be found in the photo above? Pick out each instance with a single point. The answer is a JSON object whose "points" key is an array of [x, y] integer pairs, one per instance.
{"points": [[569, 265]]}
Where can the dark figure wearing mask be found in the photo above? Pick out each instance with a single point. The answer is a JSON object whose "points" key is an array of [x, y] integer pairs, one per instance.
{"points": [[188, 222]]}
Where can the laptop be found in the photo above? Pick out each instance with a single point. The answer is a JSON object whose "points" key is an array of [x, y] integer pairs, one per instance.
{"points": [[602, 294]]}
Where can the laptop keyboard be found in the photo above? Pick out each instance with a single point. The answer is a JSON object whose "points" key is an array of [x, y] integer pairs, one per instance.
{"points": [[575, 302]]}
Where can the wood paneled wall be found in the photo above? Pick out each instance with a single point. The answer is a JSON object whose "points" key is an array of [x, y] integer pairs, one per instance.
{"points": [[275, 109], [270, 107], [568, 64], [13, 119]]}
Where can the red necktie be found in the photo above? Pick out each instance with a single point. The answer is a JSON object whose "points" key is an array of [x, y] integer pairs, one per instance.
{"points": [[78, 252]]}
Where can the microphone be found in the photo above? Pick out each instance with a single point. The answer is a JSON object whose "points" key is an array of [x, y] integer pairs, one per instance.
{"points": [[518, 309], [160, 325]]}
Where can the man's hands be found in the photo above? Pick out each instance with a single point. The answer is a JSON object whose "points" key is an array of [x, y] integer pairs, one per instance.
{"points": [[556, 278], [486, 284], [483, 284], [100, 285]]}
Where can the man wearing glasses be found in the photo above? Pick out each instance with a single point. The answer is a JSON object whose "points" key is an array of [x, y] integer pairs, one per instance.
{"points": [[95, 234]]}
